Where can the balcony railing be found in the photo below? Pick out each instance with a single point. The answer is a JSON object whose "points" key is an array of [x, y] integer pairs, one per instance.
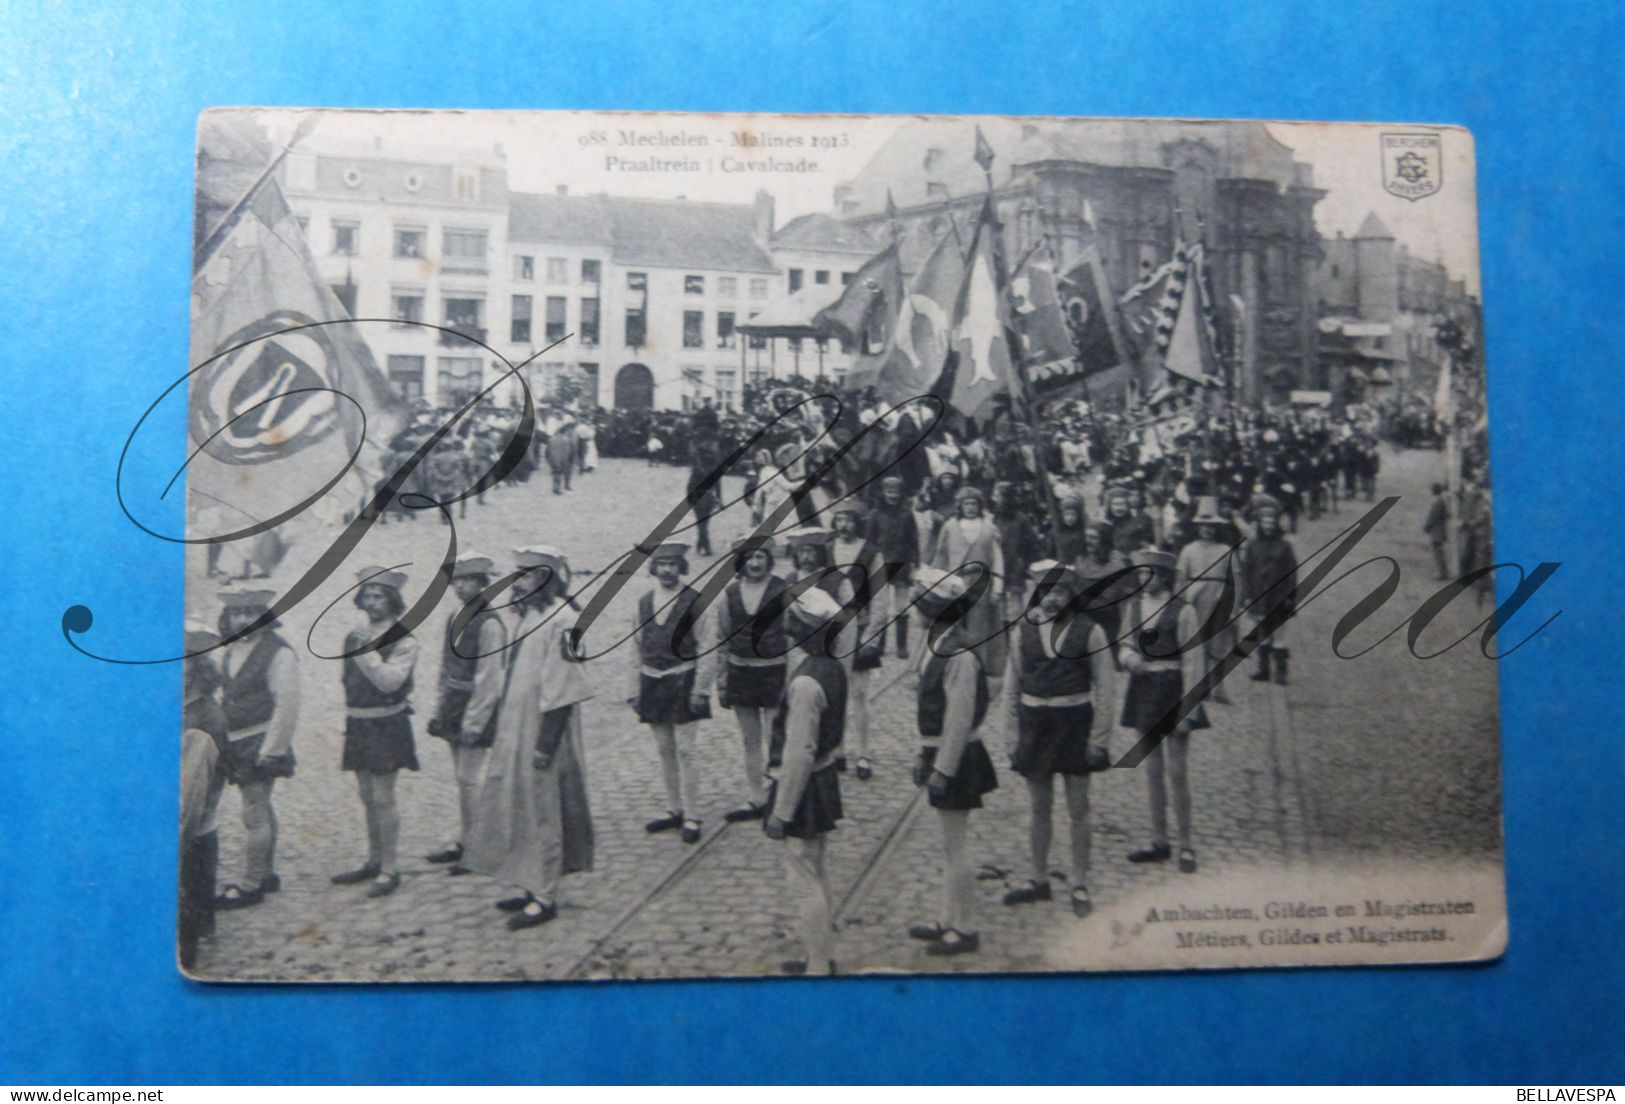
{"points": [[464, 337]]}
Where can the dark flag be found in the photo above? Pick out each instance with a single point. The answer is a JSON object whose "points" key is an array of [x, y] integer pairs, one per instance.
{"points": [[864, 313], [984, 152], [1091, 315]]}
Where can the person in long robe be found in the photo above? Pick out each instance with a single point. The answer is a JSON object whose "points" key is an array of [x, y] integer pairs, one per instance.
{"points": [[534, 821]]}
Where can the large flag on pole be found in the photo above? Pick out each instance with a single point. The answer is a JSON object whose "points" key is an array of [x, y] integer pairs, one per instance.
{"points": [[864, 313], [1091, 314], [981, 340], [924, 327], [1184, 331], [284, 390]]}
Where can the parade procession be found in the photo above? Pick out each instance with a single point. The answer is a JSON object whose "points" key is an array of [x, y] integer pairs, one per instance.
{"points": [[996, 650]]}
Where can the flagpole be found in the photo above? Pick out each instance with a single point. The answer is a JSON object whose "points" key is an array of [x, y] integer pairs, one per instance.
{"points": [[1016, 384], [212, 239]]}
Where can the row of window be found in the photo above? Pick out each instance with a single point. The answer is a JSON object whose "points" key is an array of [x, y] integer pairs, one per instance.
{"points": [[461, 377], [797, 278], [466, 314]]}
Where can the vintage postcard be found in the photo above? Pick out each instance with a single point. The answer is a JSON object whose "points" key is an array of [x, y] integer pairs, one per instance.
{"points": [[659, 545]]}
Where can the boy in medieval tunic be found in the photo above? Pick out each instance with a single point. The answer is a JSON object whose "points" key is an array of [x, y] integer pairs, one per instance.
{"points": [[863, 567], [805, 799], [671, 671], [812, 552], [893, 530], [1162, 664], [533, 824], [377, 726], [203, 777], [1268, 576], [1201, 576], [750, 679], [970, 537], [473, 662], [1061, 672], [260, 697], [953, 765]]}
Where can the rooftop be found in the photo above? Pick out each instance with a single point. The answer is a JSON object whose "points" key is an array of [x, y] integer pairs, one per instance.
{"points": [[671, 233]]}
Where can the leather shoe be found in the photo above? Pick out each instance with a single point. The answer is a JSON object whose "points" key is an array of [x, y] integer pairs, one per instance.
{"points": [[664, 824], [691, 831], [357, 876], [1027, 894], [534, 915], [384, 884], [1157, 852], [928, 932], [955, 942], [514, 904], [745, 812], [448, 855]]}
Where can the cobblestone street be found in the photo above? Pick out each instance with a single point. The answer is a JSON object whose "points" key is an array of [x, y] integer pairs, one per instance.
{"points": [[1287, 780]]}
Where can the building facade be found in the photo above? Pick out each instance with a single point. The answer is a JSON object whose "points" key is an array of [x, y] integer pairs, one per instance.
{"points": [[1135, 189], [1380, 309], [627, 303]]}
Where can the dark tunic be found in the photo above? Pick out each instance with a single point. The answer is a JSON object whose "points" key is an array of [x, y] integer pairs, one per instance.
{"points": [[820, 806], [974, 775], [1153, 694], [459, 659], [1054, 737], [377, 744], [664, 698], [248, 705], [755, 648]]}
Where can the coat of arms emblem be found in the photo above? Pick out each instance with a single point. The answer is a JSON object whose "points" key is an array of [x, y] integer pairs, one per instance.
{"points": [[1412, 166]]}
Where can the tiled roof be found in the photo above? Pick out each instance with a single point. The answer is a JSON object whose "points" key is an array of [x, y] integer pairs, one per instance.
{"points": [[672, 233], [1373, 227], [820, 231], [560, 220], [940, 151]]}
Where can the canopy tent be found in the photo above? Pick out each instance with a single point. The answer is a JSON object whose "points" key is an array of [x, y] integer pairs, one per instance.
{"points": [[791, 316]]}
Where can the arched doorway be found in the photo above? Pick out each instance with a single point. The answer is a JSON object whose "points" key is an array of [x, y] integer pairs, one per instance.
{"points": [[634, 388]]}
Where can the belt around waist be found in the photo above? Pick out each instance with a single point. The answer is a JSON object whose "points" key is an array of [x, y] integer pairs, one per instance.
{"points": [[370, 711], [1160, 665], [662, 672], [757, 661], [1058, 701], [247, 733], [459, 684]]}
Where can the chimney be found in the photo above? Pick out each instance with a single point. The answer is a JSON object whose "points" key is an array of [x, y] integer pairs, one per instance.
{"points": [[763, 228], [562, 189]]}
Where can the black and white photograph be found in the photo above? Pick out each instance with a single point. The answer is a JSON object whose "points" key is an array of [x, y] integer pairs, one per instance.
{"points": [[642, 546]]}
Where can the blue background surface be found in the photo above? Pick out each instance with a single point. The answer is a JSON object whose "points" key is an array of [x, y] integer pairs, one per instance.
{"points": [[97, 116]]}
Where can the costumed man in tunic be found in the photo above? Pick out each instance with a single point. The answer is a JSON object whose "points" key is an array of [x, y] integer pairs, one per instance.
{"points": [[1122, 531], [812, 553], [473, 661], [863, 567], [1158, 624], [1203, 571], [894, 532], [261, 701], [203, 777], [971, 538], [1268, 576], [806, 796], [1061, 670], [377, 726], [953, 764], [533, 824], [671, 671], [754, 649]]}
